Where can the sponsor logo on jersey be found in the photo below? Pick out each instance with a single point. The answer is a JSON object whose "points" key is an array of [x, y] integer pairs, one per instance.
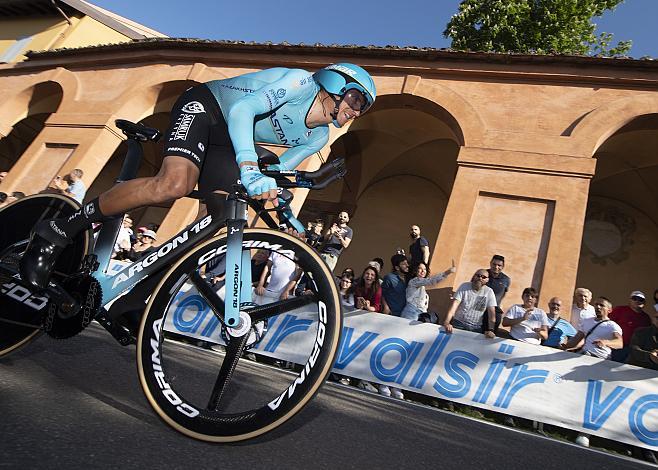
{"points": [[281, 93], [201, 146], [193, 107], [278, 129], [182, 127], [288, 119], [308, 133]]}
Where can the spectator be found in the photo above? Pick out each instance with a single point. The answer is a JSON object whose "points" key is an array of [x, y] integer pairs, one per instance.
{"points": [[499, 282], [394, 285], [348, 271], [419, 250], [142, 246], [367, 292], [581, 309], [76, 188], [346, 290], [70, 185], [368, 296], [629, 318], [13, 197], [470, 303], [337, 238], [283, 275], [258, 265], [644, 345], [600, 335], [123, 243], [643, 352], [528, 323], [346, 294], [417, 298], [377, 265], [314, 234], [559, 330]]}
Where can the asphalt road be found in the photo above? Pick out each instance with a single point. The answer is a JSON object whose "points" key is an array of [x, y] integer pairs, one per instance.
{"points": [[78, 404]]}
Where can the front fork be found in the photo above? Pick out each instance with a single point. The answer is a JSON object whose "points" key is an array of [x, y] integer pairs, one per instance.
{"points": [[238, 262]]}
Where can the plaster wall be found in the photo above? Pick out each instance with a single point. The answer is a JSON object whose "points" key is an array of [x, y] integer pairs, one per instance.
{"points": [[523, 138]]}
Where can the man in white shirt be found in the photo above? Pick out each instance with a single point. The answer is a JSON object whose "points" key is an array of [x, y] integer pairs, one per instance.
{"points": [[528, 323], [283, 276], [581, 308], [469, 305], [600, 334]]}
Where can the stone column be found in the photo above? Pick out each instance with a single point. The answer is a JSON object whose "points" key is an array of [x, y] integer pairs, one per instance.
{"points": [[527, 207]]}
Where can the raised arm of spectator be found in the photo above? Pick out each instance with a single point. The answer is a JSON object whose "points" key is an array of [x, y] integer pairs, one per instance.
{"points": [[431, 280], [451, 313]]}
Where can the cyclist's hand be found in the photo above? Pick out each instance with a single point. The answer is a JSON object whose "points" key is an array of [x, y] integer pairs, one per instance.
{"points": [[260, 290], [258, 185]]}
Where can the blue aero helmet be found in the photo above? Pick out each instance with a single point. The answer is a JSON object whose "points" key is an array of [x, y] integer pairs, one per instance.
{"points": [[339, 79]]}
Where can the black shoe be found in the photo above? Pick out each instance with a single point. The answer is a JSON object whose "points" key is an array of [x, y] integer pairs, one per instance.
{"points": [[46, 243]]}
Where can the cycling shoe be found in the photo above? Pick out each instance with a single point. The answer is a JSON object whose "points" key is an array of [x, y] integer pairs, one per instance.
{"points": [[46, 244]]}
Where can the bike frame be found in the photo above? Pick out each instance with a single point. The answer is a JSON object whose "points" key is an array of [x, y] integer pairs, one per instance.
{"points": [[114, 285]]}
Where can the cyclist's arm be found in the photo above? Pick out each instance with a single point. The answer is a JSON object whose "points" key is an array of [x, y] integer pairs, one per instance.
{"points": [[266, 99], [292, 157]]}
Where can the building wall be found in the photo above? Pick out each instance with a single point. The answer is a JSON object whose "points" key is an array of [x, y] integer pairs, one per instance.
{"points": [[486, 157]]}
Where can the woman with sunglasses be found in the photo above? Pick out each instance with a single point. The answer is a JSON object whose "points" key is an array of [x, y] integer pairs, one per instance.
{"points": [[214, 127]]}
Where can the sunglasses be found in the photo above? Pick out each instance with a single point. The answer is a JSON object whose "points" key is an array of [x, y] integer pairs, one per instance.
{"points": [[356, 100], [482, 276], [555, 305], [637, 299]]}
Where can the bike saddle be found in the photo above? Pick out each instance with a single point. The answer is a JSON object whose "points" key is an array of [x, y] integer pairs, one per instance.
{"points": [[138, 131]]}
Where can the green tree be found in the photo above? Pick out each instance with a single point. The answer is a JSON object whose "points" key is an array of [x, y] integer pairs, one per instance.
{"points": [[533, 26]]}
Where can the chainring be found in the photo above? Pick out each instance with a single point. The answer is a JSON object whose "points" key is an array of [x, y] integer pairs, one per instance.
{"points": [[87, 291]]}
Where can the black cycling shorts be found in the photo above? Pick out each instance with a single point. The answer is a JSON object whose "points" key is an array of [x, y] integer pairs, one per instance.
{"points": [[198, 132]]}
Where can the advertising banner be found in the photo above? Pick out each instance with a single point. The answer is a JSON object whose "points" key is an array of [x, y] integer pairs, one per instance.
{"points": [[583, 393]]}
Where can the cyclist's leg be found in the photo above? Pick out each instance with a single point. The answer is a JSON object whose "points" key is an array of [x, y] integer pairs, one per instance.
{"points": [[184, 155]]}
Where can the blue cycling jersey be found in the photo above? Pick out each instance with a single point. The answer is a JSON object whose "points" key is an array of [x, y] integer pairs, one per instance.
{"points": [[270, 106]]}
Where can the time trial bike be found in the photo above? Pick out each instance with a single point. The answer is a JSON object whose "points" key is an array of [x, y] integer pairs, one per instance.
{"points": [[169, 299]]}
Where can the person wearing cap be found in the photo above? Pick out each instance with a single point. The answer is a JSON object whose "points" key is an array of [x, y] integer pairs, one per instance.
{"points": [[629, 317], [337, 238], [143, 245], [394, 285]]}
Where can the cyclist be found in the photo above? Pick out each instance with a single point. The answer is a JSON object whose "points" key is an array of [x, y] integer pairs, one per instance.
{"points": [[211, 140]]}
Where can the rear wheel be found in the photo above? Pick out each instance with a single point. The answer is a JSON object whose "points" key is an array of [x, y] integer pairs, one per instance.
{"points": [[214, 393], [21, 312]]}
